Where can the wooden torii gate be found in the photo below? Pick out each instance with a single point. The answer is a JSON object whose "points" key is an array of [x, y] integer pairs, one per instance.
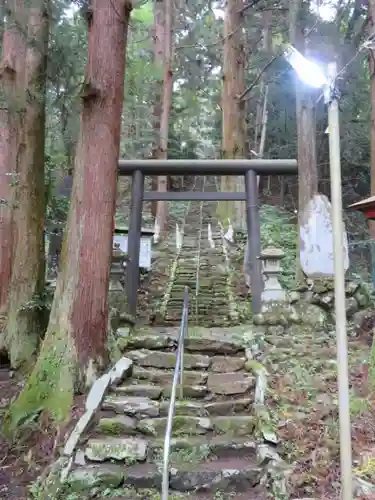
{"points": [[250, 169]]}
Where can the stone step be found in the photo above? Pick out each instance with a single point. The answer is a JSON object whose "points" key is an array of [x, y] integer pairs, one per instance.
{"points": [[165, 378], [211, 344], [128, 450], [217, 386], [139, 390], [125, 421], [236, 426], [251, 493], [234, 474], [138, 407], [167, 360], [217, 446]]}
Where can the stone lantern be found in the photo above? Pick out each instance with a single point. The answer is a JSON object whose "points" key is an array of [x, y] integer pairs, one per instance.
{"points": [[271, 258], [117, 272]]}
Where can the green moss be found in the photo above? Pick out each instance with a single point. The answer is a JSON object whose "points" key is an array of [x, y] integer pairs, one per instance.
{"points": [[50, 386], [254, 366]]}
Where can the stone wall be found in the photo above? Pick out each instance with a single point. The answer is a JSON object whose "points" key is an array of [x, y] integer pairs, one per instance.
{"points": [[319, 295]]}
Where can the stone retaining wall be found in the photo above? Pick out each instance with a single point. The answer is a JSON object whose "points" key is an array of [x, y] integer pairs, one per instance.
{"points": [[319, 294]]}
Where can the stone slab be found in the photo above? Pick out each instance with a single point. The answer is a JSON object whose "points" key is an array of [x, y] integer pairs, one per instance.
{"points": [[131, 405], [140, 390], [92, 476], [212, 344], [148, 341], [165, 377], [184, 408], [126, 449], [229, 383], [189, 391], [225, 364], [120, 424], [167, 360], [228, 407], [234, 426], [182, 425]]}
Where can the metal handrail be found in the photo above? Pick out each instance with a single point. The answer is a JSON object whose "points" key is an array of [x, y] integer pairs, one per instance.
{"points": [[177, 376]]}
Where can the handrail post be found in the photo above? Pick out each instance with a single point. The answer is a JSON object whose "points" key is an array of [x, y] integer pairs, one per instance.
{"points": [[177, 377]]}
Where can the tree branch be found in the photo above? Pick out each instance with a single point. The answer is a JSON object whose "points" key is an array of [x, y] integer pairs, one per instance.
{"points": [[249, 6], [258, 77]]}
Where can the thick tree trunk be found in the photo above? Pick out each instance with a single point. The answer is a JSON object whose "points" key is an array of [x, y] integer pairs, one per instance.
{"points": [[26, 315], [234, 124], [371, 59], [371, 56], [162, 152], [306, 128], [11, 81], [75, 346], [159, 44]]}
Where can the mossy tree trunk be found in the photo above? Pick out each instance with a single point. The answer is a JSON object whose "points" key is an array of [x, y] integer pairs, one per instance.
{"points": [[166, 104], [234, 124], [26, 314], [75, 350], [11, 82]]}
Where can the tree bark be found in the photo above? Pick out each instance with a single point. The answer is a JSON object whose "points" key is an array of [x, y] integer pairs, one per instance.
{"points": [[162, 151], [26, 314], [159, 43], [11, 83], [371, 63], [306, 127], [234, 124], [74, 350]]}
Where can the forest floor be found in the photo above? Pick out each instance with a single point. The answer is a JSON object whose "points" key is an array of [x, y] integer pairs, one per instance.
{"points": [[303, 398]]}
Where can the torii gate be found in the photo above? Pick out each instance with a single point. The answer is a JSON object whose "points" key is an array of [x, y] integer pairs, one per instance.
{"points": [[250, 169]]}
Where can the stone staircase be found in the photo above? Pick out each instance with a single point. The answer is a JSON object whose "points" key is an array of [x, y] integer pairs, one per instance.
{"points": [[215, 442], [210, 304]]}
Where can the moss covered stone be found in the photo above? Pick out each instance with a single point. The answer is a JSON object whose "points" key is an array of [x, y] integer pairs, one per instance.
{"points": [[164, 378], [182, 425], [167, 360], [185, 408], [234, 426], [147, 341], [115, 426], [127, 449], [91, 476]]}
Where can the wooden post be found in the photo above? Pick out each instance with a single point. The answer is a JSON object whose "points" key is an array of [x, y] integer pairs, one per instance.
{"points": [[134, 241]]}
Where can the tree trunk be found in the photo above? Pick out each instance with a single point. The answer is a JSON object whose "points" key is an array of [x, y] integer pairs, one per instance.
{"points": [[11, 81], [234, 130], [159, 43], [26, 315], [371, 56], [306, 128], [162, 152], [75, 347]]}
